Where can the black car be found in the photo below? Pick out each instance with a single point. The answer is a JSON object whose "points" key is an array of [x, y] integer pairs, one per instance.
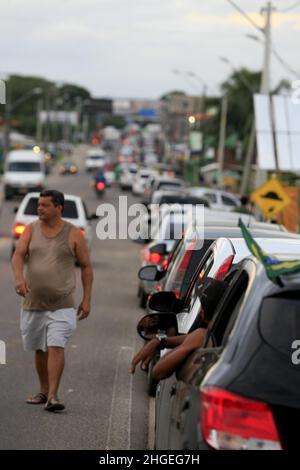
{"points": [[243, 392]]}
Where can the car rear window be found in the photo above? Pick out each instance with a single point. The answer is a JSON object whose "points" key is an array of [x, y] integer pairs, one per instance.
{"points": [[70, 210], [96, 157], [279, 321], [24, 166], [168, 185]]}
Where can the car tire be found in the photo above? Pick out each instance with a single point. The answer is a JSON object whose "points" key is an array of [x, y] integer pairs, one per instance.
{"points": [[7, 195]]}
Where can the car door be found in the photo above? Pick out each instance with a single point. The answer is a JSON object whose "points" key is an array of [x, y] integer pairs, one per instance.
{"points": [[184, 416], [165, 395], [185, 425]]}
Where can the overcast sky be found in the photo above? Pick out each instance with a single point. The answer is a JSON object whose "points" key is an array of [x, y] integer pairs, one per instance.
{"points": [[128, 48]]}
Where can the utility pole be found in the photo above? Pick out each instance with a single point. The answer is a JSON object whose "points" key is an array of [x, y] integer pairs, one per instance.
{"points": [[38, 135], [222, 136], [261, 175]]}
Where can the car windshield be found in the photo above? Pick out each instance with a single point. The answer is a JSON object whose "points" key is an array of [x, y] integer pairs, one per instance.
{"points": [[167, 185], [184, 268], [24, 166], [70, 210]]}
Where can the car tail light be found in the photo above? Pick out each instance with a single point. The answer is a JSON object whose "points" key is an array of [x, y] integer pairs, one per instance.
{"points": [[100, 186], [154, 258], [232, 422], [165, 264], [18, 230], [224, 268], [177, 294]]}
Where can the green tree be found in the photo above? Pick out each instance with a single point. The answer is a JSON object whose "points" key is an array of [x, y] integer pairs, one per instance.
{"points": [[24, 115]]}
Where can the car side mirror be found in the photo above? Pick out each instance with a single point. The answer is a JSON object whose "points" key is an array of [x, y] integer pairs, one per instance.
{"points": [[165, 302], [150, 273], [155, 323]]}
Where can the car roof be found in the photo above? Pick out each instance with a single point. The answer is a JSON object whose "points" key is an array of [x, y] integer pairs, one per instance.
{"points": [[214, 191], [96, 152], [270, 245], [235, 232], [69, 197], [168, 179], [17, 155]]}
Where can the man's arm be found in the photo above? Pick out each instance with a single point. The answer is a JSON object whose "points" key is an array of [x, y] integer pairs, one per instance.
{"points": [[17, 261], [83, 257], [150, 349], [170, 361]]}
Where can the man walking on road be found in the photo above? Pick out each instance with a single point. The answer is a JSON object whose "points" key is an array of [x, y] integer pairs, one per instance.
{"points": [[48, 315]]}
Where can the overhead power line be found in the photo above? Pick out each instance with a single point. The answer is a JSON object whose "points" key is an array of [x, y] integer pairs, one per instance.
{"points": [[291, 7], [248, 17], [285, 64]]}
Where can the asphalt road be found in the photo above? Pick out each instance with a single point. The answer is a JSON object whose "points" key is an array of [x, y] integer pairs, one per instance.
{"points": [[106, 408]]}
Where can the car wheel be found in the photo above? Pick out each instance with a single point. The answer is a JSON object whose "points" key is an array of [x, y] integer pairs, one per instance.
{"points": [[8, 196]]}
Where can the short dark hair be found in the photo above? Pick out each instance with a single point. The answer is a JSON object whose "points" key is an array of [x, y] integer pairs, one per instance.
{"points": [[57, 197]]}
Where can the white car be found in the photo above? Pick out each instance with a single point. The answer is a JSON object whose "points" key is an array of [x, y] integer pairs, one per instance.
{"points": [[95, 160], [219, 200], [140, 180], [127, 176], [222, 255], [24, 171], [74, 212]]}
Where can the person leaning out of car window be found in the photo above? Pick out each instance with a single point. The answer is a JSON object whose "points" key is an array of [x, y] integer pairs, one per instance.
{"points": [[210, 292]]}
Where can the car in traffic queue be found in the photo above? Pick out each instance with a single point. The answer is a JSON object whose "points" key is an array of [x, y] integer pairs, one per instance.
{"points": [[185, 267], [75, 212], [68, 167], [127, 176], [95, 159], [239, 391], [140, 180], [161, 182], [218, 199], [24, 171], [220, 257], [157, 251]]}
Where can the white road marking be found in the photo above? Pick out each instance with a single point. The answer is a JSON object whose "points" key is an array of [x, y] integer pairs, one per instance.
{"points": [[119, 423], [151, 424]]}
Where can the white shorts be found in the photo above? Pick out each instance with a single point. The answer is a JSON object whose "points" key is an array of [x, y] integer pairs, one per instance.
{"points": [[41, 329]]}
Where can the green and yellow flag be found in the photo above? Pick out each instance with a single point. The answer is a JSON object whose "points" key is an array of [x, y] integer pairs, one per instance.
{"points": [[274, 267]]}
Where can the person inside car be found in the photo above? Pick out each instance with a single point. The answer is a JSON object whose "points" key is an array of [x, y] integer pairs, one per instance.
{"points": [[210, 292]]}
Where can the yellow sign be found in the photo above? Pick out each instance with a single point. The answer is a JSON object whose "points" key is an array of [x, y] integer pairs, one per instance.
{"points": [[271, 198]]}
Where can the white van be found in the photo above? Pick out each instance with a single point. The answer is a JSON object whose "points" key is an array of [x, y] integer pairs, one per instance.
{"points": [[95, 160], [24, 171]]}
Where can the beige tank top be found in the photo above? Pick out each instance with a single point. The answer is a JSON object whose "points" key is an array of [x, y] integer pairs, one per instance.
{"points": [[50, 271]]}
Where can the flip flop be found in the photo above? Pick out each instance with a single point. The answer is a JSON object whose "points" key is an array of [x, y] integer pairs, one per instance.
{"points": [[38, 399], [54, 405]]}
